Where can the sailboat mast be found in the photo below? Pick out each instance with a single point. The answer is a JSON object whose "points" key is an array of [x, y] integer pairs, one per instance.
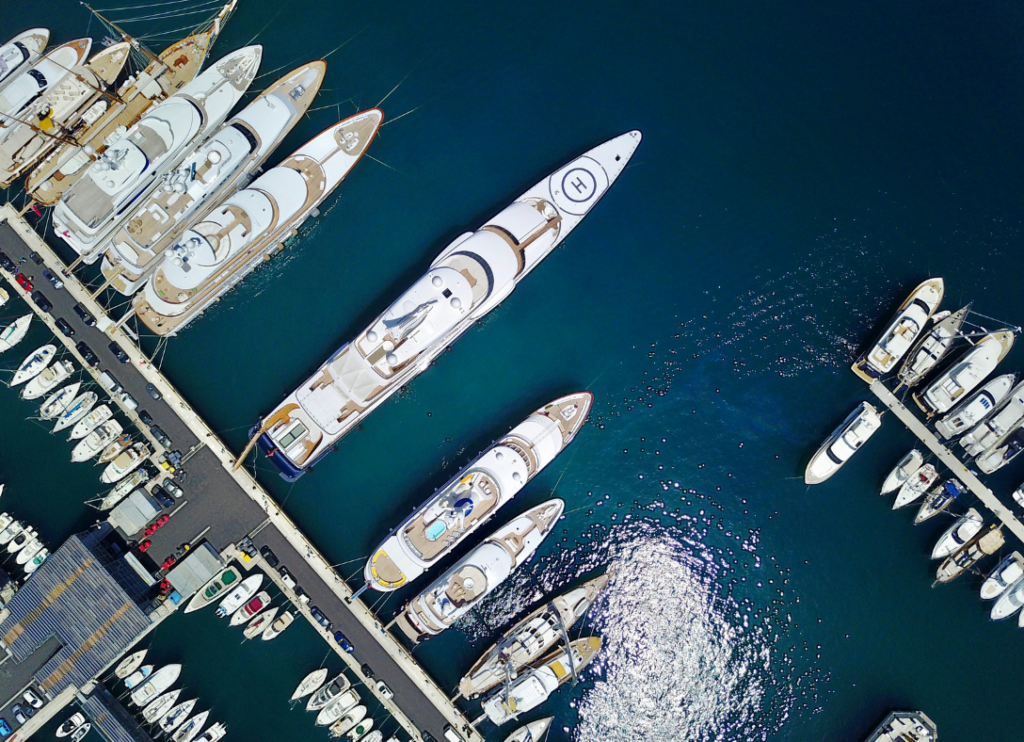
{"points": [[135, 44]]}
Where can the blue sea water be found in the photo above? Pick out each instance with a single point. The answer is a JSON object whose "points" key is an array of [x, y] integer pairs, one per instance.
{"points": [[803, 166]]}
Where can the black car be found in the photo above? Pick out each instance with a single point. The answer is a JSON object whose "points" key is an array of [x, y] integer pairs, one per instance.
{"points": [[36, 258], [41, 301], [87, 353], [269, 556], [161, 496], [64, 327], [146, 418], [320, 618], [160, 435], [84, 315], [7, 263], [119, 354], [153, 392], [49, 276], [367, 671]]}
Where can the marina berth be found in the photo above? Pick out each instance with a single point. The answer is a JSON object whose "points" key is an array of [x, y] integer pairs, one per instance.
{"points": [[157, 683], [130, 664], [49, 118], [29, 550], [191, 728], [160, 706], [958, 534], [983, 544], [17, 96], [337, 708], [250, 609], [124, 488], [232, 239], [910, 320], [79, 408], [258, 624], [239, 595], [15, 332], [977, 407], [214, 733], [88, 423], [348, 722], [38, 559], [475, 493], [325, 695], [1005, 419], [177, 716], [1000, 579], [932, 346], [965, 374], [1005, 450], [478, 573], [938, 500], [55, 405], [138, 677], [69, 726], [214, 589], [131, 168], [12, 530], [107, 120], [844, 442], [273, 630], [532, 732], [47, 379], [903, 471], [310, 684], [34, 364], [95, 441], [125, 463], [207, 175], [905, 726], [20, 53]]}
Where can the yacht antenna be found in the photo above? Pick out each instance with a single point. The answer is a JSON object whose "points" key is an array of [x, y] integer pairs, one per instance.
{"points": [[134, 42]]}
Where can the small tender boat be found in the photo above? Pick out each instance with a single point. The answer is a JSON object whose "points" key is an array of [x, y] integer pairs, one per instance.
{"points": [[160, 706], [176, 716], [916, 486], [1000, 579], [976, 408], [337, 707], [158, 682], [844, 442], [532, 732], [124, 488], [32, 366], [114, 448], [258, 603], [958, 534], [75, 411], [59, 401], [938, 500], [348, 722], [983, 544], [38, 559], [899, 336], [138, 676], [964, 375], [21, 540], [130, 664], [125, 463], [47, 379], [905, 469], [328, 693], [88, 423], [356, 733], [277, 627], [1005, 450], [214, 733], [310, 684], [1006, 418], [191, 728], [96, 441], [79, 734], [932, 346], [29, 550], [15, 332], [239, 595], [212, 590], [69, 726], [12, 530], [259, 623]]}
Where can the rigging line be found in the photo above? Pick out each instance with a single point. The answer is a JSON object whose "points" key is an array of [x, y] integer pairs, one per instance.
{"points": [[344, 43], [367, 154], [402, 116], [141, 7], [276, 69], [262, 29], [200, 8], [161, 17]]}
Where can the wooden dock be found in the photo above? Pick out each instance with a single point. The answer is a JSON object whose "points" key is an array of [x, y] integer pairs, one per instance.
{"points": [[951, 462]]}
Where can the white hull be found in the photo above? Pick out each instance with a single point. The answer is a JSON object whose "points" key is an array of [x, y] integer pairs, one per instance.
{"points": [[47, 380], [252, 606], [532, 732], [96, 441], [338, 707], [15, 332], [78, 409], [902, 332], [915, 487], [176, 716], [130, 664], [213, 590], [32, 366], [191, 728], [157, 683], [905, 469], [310, 684], [964, 375], [1005, 419], [160, 706], [86, 425], [977, 407], [55, 405], [21, 52], [844, 442], [239, 595], [1006, 573], [958, 534], [276, 628]]}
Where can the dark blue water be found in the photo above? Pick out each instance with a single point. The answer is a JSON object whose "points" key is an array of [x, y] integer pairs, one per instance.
{"points": [[802, 168]]}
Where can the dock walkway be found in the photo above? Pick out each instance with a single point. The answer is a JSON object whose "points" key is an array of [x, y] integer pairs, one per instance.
{"points": [[951, 462]]}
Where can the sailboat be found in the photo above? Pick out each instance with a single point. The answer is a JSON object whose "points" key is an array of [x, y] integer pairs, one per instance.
{"points": [[212, 590], [14, 332], [905, 469], [310, 684]]}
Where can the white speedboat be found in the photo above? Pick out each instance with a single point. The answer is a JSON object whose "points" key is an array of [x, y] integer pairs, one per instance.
{"points": [[130, 664], [67, 727], [21, 52], [47, 380], [55, 405], [12, 530], [337, 707], [20, 541], [37, 560], [229, 241], [79, 734], [472, 497], [940, 498], [375, 736], [1002, 452], [191, 728], [958, 534], [910, 320], [32, 83], [1008, 416], [465, 282], [32, 366], [1010, 601], [157, 683], [79, 408], [125, 463], [96, 441], [176, 716], [138, 677], [275, 629], [932, 346], [905, 469], [208, 174], [474, 576], [531, 732], [253, 606], [160, 706], [5, 520], [357, 732], [214, 733], [259, 623], [15, 332], [328, 693], [965, 374], [239, 595], [535, 686], [983, 544], [310, 684], [999, 580], [976, 408], [844, 442], [114, 448], [123, 488], [345, 724], [530, 639], [214, 589], [131, 168], [87, 424], [29, 551]]}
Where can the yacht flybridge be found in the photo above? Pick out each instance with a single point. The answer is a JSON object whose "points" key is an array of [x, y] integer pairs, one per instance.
{"points": [[467, 280], [206, 176], [19, 94], [475, 493], [20, 53], [131, 168], [231, 239]]}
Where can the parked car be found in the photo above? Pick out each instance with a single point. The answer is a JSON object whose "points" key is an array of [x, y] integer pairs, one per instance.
{"points": [[5, 728], [269, 556], [87, 353], [320, 618], [301, 595], [286, 576], [64, 327], [83, 314], [160, 435], [32, 699], [153, 392], [384, 690], [41, 301], [168, 562], [36, 257], [161, 496], [7, 263], [119, 353], [146, 418], [344, 643], [129, 401], [157, 525], [172, 487], [19, 715], [53, 279], [367, 671], [144, 546], [23, 281]]}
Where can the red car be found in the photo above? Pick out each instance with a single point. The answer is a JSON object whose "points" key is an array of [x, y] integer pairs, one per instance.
{"points": [[168, 563], [24, 282], [144, 546], [155, 525]]}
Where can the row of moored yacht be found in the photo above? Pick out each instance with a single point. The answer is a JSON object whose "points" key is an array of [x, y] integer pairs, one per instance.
{"points": [[243, 602]]}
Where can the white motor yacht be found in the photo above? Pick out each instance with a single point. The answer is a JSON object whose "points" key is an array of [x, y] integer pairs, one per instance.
{"points": [[130, 664], [176, 716], [214, 733], [157, 683], [938, 500], [12, 530], [905, 726], [191, 728], [999, 580], [160, 706], [844, 442], [32, 83], [337, 707], [356, 733], [208, 174], [531, 732], [22, 540], [29, 551], [310, 684], [253, 606], [904, 470], [474, 274], [79, 408], [138, 677], [70, 725], [47, 379], [131, 168], [229, 241], [126, 462], [15, 332], [976, 408], [472, 497], [114, 448], [38, 559], [983, 544], [345, 724], [87, 424], [474, 576], [96, 441], [122, 489], [34, 364], [1010, 601], [238, 596], [1002, 452], [958, 534], [213, 590], [535, 686], [932, 346], [965, 374], [910, 320], [258, 624], [328, 693], [1008, 416], [21, 52], [274, 630]]}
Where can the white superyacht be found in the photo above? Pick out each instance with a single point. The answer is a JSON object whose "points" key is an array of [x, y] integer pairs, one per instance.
{"points": [[207, 175], [932, 347], [475, 493], [466, 281], [19, 94], [131, 168], [977, 407], [986, 433], [965, 374], [21, 52]]}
